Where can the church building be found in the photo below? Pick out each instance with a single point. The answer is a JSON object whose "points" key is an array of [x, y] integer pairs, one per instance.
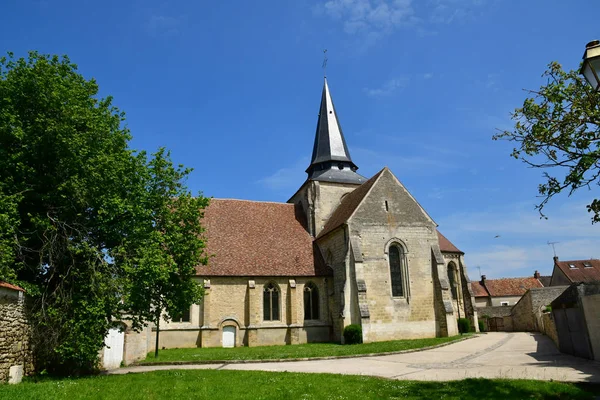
{"points": [[343, 250]]}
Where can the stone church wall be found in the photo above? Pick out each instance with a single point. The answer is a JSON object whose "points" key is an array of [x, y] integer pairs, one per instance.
{"points": [[377, 226], [238, 302], [14, 335]]}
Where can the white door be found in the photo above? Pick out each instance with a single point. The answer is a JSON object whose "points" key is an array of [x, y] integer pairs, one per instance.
{"points": [[229, 336], [113, 348]]}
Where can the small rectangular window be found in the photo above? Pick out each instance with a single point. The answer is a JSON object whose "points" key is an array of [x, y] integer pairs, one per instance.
{"points": [[504, 303], [387, 208], [572, 266], [185, 317], [587, 265]]}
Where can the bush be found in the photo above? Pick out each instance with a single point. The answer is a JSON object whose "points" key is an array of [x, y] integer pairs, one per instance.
{"points": [[353, 334], [464, 325], [481, 326]]}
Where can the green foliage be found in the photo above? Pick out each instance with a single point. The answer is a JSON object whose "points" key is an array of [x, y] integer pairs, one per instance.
{"points": [[214, 385], [353, 334], [85, 220], [558, 130], [481, 326], [464, 325]]}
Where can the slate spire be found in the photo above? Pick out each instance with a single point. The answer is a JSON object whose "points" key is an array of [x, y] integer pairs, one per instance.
{"points": [[330, 158]]}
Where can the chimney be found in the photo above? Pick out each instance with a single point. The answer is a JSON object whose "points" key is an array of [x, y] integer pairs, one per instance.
{"points": [[536, 275], [482, 279], [555, 258]]}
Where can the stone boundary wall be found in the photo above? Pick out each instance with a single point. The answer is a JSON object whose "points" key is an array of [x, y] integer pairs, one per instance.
{"points": [[527, 313], [15, 355], [548, 327]]}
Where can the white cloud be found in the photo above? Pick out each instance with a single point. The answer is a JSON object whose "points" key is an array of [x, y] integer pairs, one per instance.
{"points": [[287, 178], [388, 87], [522, 245], [373, 17], [165, 25]]}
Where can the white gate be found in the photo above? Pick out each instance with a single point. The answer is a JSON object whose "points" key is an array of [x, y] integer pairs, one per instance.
{"points": [[113, 348], [229, 336]]}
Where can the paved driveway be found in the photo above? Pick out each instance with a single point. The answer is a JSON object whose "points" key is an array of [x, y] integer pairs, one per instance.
{"points": [[494, 355]]}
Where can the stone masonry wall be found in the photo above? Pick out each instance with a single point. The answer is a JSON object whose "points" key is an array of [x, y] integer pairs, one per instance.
{"points": [[14, 333], [527, 313], [386, 215], [238, 302]]}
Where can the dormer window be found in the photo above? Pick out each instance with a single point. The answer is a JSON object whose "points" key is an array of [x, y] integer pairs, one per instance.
{"points": [[587, 265], [572, 266]]}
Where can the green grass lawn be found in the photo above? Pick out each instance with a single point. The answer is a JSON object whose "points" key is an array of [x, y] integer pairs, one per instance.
{"points": [[210, 384], [296, 351]]}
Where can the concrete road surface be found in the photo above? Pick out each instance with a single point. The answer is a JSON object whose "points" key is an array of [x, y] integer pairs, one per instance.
{"points": [[514, 355]]}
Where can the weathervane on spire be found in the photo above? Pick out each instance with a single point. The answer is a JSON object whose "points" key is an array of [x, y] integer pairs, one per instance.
{"points": [[324, 66]]}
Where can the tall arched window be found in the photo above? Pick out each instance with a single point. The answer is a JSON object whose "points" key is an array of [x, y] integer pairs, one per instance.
{"points": [[452, 278], [397, 269], [311, 301], [271, 302]]}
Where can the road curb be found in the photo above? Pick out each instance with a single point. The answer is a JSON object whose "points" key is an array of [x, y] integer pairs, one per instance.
{"points": [[208, 362]]}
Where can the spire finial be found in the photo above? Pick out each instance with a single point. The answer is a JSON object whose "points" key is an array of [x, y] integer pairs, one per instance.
{"points": [[324, 66]]}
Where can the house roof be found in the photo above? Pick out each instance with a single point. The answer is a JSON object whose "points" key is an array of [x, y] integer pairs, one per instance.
{"points": [[580, 270], [545, 280], [10, 286], [478, 289], [252, 238], [510, 286], [350, 202], [446, 245]]}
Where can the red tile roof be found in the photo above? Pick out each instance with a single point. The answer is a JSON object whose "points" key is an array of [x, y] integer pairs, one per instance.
{"points": [[446, 245], [251, 238], [9, 286], [511, 286], [349, 203], [580, 273], [478, 289]]}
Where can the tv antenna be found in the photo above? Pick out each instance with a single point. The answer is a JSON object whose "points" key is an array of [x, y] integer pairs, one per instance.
{"points": [[479, 268], [553, 248]]}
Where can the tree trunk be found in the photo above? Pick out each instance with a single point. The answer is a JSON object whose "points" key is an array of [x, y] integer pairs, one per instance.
{"points": [[157, 333]]}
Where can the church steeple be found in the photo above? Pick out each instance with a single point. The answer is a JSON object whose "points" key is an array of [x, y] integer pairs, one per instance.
{"points": [[331, 160]]}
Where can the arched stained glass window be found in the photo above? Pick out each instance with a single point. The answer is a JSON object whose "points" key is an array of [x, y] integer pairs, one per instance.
{"points": [[271, 302], [311, 301], [396, 254]]}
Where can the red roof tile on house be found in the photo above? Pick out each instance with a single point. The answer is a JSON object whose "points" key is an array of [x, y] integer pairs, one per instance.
{"points": [[9, 286], [478, 289], [349, 203], [580, 272], [251, 238], [511, 286], [446, 245]]}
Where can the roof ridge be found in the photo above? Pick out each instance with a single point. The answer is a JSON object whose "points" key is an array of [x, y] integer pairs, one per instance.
{"points": [[252, 201], [341, 214]]}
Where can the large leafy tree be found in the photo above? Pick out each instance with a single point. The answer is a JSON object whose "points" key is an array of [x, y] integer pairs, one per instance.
{"points": [[87, 224], [558, 130]]}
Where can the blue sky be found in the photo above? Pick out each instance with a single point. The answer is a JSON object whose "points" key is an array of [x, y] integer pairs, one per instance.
{"points": [[233, 89]]}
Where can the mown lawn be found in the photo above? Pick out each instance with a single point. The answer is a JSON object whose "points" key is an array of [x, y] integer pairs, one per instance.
{"points": [[211, 384], [308, 350]]}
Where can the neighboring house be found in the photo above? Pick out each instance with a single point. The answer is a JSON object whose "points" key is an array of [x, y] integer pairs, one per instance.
{"points": [[504, 291], [575, 271], [343, 250]]}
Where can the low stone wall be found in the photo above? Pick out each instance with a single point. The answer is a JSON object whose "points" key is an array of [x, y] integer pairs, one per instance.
{"points": [[14, 336], [548, 327]]}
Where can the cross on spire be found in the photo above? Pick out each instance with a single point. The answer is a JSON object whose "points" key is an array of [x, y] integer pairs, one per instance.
{"points": [[324, 66]]}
